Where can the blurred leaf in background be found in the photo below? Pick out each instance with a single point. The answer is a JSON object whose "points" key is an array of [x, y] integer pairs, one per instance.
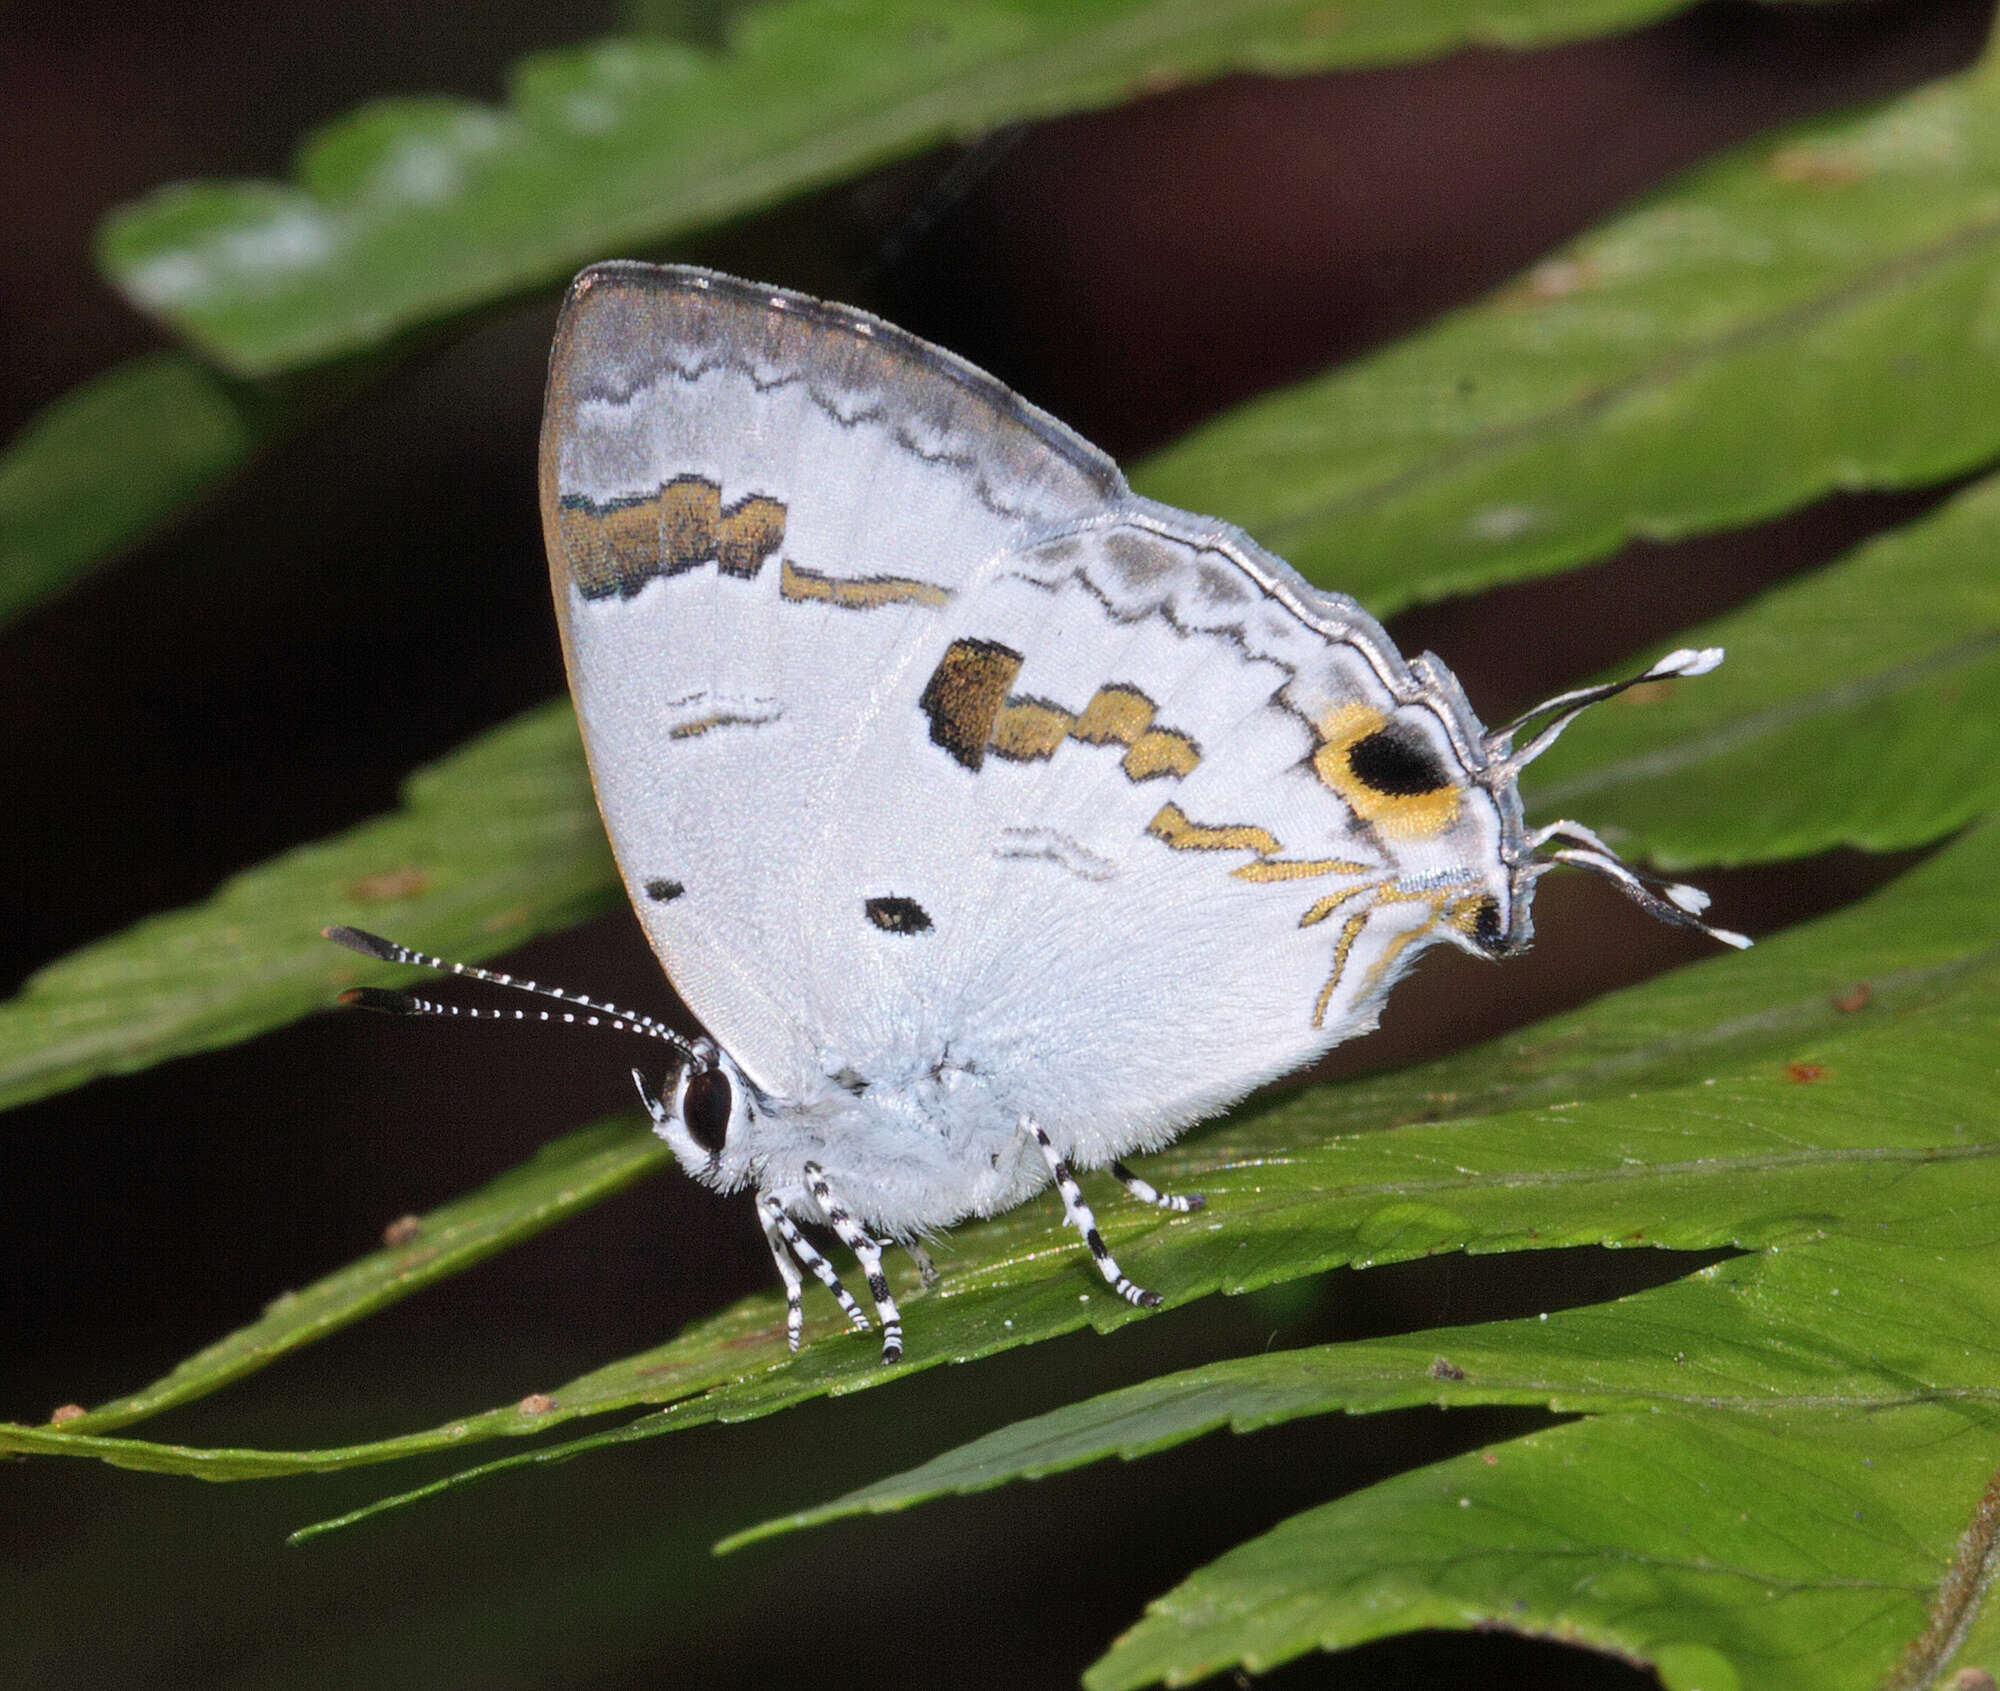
{"points": [[1778, 1391]]}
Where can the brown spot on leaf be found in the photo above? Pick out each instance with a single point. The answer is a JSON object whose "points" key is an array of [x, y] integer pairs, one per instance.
{"points": [[1443, 1370], [67, 1413], [1803, 1074], [1855, 999], [1148, 84], [386, 886], [1815, 167], [404, 1230], [1558, 278], [536, 1403]]}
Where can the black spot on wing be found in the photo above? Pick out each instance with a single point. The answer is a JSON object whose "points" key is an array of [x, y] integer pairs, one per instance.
{"points": [[1397, 760], [664, 892], [898, 915]]}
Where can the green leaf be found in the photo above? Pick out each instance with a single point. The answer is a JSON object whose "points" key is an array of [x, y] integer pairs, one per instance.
{"points": [[1597, 1162], [1811, 313], [1783, 1333], [1880, 675], [492, 845], [1867, 1168], [1903, 948], [1816, 1423], [111, 461], [566, 1175], [1725, 1549], [412, 210]]}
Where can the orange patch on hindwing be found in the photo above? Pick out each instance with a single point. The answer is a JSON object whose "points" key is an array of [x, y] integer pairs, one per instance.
{"points": [[1386, 772], [972, 712]]}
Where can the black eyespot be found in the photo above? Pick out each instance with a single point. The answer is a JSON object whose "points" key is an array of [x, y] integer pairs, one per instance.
{"points": [[1486, 927], [705, 1108], [664, 892], [1397, 760], [898, 915]]}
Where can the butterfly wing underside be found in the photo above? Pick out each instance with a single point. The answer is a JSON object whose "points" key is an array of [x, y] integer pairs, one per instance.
{"points": [[756, 507], [920, 739]]}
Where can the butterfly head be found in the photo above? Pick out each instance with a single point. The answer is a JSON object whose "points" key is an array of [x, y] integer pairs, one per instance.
{"points": [[707, 1121]]}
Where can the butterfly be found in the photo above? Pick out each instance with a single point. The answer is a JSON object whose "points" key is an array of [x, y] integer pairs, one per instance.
{"points": [[994, 821]]}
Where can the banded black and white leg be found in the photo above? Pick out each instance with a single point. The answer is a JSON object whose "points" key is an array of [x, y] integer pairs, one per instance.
{"points": [[1181, 1203], [1084, 1222], [788, 1269], [789, 1250], [867, 1253]]}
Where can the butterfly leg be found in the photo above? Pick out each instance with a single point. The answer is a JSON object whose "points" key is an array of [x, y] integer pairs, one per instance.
{"points": [[927, 1270], [789, 1248], [1084, 1222], [788, 1271], [1147, 1193], [655, 1106], [867, 1253]]}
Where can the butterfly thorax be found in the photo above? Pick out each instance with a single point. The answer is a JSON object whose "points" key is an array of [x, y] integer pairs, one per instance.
{"points": [[919, 1143]]}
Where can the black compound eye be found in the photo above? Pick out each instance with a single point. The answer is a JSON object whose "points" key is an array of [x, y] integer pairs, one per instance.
{"points": [[705, 1109], [1398, 761]]}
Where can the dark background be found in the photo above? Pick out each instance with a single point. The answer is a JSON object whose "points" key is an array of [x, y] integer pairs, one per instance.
{"points": [[371, 594]]}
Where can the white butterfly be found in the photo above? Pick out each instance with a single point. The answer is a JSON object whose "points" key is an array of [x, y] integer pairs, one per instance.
{"points": [[994, 821]]}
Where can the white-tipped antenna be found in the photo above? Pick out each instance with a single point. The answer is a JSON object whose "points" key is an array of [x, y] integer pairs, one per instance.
{"points": [[396, 1003], [1675, 902], [1686, 661]]}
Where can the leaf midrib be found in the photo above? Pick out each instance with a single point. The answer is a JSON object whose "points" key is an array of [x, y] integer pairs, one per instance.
{"points": [[1767, 1162]]}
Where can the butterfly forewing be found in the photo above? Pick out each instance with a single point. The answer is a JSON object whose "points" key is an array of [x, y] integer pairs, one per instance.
{"points": [[757, 508]]}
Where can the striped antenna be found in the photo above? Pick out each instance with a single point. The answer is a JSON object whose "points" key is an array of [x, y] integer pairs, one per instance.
{"points": [[1674, 902], [1685, 662], [394, 1003]]}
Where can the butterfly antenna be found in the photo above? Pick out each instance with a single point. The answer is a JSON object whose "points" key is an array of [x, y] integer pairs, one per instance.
{"points": [[1674, 902], [396, 1003], [1509, 763]]}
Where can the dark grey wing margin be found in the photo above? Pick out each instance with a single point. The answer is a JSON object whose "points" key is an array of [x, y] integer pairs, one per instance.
{"points": [[672, 311]]}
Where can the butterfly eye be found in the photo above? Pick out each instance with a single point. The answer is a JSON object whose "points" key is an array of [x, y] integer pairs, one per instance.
{"points": [[705, 1109]]}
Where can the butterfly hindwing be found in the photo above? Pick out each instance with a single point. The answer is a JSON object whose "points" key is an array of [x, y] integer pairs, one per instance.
{"points": [[1108, 795]]}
